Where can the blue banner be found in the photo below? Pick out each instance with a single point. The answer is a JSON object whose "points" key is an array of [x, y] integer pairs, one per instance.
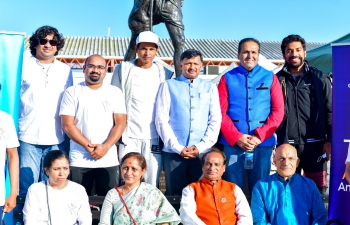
{"points": [[339, 193], [11, 57]]}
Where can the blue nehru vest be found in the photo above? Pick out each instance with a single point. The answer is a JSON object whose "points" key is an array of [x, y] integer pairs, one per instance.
{"points": [[189, 109], [249, 100]]}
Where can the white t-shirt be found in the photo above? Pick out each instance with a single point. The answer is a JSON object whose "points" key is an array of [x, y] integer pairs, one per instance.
{"points": [[145, 84], [93, 111], [67, 206], [8, 139]]}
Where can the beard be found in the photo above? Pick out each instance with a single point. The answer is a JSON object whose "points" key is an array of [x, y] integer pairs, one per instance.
{"points": [[295, 65], [94, 78]]}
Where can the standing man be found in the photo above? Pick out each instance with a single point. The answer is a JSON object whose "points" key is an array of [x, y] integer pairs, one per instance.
{"points": [[308, 102], [93, 116], [8, 145], [139, 81], [252, 108], [44, 80], [188, 121]]}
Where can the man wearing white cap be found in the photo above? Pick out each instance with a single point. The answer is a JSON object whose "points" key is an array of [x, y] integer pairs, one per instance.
{"points": [[139, 80]]}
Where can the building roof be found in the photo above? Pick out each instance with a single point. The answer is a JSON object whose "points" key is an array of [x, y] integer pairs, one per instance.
{"points": [[210, 48]]}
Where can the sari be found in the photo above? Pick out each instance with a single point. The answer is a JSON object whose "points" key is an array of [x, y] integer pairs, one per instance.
{"points": [[146, 203]]}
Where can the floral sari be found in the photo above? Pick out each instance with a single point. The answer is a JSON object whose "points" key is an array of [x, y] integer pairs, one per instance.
{"points": [[146, 203]]}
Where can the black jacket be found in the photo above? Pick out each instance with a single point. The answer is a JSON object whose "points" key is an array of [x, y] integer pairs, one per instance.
{"points": [[308, 106]]}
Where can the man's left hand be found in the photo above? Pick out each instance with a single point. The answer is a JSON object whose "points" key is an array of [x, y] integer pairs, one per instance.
{"points": [[256, 140], [327, 150], [193, 150], [10, 203], [99, 150]]}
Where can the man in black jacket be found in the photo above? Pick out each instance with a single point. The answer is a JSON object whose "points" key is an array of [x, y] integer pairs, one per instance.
{"points": [[308, 110]]}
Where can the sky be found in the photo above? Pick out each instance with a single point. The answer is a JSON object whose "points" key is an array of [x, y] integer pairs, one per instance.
{"points": [[268, 20]]}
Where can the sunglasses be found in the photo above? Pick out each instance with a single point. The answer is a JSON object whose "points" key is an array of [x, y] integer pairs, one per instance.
{"points": [[43, 41]]}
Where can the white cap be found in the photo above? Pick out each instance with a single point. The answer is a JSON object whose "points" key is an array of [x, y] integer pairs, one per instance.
{"points": [[148, 36]]}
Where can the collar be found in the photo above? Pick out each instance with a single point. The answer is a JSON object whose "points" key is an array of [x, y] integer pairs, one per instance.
{"points": [[296, 77], [207, 181], [241, 69], [133, 61], [282, 180], [185, 79], [38, 62]]}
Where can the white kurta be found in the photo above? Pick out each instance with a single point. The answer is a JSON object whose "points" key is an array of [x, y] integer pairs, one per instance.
{"points": [[67, 206]]}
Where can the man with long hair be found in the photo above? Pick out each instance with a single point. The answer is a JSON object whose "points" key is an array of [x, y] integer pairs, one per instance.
{"points": [[44, 80]]}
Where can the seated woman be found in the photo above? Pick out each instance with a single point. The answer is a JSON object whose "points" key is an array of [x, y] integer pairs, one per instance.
{"points": [[136, 202], [57, 200]]}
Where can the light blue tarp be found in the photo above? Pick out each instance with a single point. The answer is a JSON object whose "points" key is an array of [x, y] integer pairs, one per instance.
{"points": [[321, 57]]}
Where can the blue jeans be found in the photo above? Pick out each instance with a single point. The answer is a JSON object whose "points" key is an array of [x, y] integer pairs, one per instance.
{"points": [[235, 171], [31, 161]]}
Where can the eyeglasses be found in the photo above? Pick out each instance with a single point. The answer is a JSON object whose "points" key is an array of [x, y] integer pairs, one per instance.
{"points": [[52, 42], [92, 66]]}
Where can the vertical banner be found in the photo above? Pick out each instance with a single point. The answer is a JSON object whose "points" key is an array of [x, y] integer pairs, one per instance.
{"points": [[11, 57], [339, 193]]}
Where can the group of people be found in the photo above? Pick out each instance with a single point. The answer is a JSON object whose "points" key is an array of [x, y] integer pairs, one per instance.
{"points": [[149, 121]]}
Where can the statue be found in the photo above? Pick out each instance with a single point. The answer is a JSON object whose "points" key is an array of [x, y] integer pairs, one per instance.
{"points": [[147, 13]]}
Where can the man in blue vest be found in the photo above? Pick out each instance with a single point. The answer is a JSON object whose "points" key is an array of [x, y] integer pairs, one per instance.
{"points": [[252, 108], [188, 120]]}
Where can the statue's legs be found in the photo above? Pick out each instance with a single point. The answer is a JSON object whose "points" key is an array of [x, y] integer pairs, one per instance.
{"points": [[178, 39], [138, 21], [130, 52]]}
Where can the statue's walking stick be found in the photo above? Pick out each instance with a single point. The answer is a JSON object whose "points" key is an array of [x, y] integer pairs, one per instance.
{"points": [[151, 15]]}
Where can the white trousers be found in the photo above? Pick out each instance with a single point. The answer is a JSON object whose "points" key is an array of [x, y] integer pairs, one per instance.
{"points": [[153, 159]]}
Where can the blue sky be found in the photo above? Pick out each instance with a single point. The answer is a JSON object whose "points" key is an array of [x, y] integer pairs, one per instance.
{"points": [[315, 20]]}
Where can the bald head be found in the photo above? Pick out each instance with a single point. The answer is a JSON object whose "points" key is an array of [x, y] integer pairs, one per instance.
{"points": [[286, 160], [95, 71], [94, 56], [286, 147]]}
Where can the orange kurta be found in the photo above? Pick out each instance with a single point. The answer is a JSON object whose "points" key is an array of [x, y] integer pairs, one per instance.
{"points": [[216, 202]]}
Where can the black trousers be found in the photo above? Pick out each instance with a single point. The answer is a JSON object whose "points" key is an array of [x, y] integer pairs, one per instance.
{"points": [[103, 179], [180, 172], [308, 155]]}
